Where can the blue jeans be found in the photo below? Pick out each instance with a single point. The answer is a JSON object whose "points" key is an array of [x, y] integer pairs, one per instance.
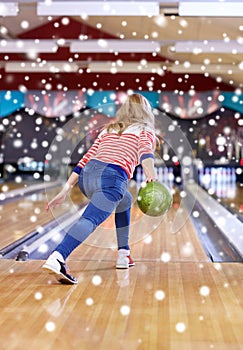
{"points": [[106, 187]]}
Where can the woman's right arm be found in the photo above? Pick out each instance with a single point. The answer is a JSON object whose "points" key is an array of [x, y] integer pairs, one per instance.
{"points": [[61, 196]]}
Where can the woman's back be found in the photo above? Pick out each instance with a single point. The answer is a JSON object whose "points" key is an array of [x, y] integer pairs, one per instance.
{"points": [[124, 149]]}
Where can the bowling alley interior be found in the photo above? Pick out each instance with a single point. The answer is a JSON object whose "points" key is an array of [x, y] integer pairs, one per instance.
{"points": [[66, 67]]}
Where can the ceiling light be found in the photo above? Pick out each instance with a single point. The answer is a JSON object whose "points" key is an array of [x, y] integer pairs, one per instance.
{"points": [[98, 8], [34, 67], [208, 46], [214, 8], [103, 45], [200, 68], [8, 9], [125, 67], [27, 46]]}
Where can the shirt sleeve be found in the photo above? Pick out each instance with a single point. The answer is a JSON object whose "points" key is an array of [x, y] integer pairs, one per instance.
{"points": [[90, 154], [146, 145]]}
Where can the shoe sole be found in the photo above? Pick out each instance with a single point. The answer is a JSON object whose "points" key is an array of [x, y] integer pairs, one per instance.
{"points": [[63, 279], [124, 267]]}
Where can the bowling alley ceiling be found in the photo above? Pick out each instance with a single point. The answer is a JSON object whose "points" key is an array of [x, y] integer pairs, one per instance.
{"points": [[74, 50]]}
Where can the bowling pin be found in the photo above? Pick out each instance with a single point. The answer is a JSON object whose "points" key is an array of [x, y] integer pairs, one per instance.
{"points": [[143, 176], [165, 175], [139, 176], [160, 174], [200, 178], [171, 177], [233, 175]]}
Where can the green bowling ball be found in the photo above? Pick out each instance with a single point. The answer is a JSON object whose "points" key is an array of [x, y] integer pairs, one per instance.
{"points": [[154, 198]]}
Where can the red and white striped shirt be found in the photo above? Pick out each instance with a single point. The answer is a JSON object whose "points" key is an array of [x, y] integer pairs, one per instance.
{"points": [[126, 150]]}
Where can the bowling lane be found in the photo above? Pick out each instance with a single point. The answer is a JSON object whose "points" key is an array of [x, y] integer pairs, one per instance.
{"points": [[151, 238], [173, 286], [232, 199], [224, 185], [26, 214], [155, 305], [19, 184]]}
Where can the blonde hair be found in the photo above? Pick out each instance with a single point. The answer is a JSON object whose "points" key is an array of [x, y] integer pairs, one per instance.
{"points": [[135, 110]]}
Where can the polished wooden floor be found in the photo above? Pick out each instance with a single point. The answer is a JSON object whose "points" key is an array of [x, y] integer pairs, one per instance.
{"points": [[26, 214], [173, 299]]}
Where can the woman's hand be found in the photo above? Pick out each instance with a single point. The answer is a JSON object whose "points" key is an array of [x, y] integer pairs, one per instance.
{"points": [[61, 196], [149, 170], [151, 179], [57, 200]]}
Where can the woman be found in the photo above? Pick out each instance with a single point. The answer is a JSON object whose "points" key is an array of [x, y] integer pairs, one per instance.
{"points": [[102, 175]]}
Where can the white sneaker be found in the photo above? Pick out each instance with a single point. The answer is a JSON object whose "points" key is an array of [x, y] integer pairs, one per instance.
{"points": [[124, 260], [55, 264]]}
